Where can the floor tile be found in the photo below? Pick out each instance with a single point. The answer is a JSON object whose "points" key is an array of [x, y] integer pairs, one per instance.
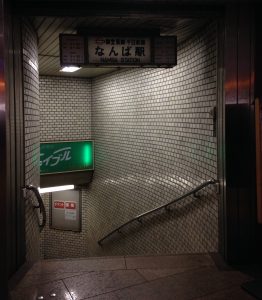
{"points": [[108, 296], [97, 283], [31, 293], [85, 258], [168, 261], [35, 279], [234, 293], [152, 274], [145, 278], [82, 265], [187, 285]]}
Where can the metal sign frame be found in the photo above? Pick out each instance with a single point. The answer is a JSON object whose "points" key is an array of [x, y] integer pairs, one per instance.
{"points": [[150, 64]]}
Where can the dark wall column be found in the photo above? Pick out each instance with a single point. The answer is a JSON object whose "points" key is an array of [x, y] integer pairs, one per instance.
{"points": [[12, 250], [240, 196], [3, 185], [258, 97]]}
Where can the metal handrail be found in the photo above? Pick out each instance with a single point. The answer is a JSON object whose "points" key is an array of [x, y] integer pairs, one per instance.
{"points": [[40, 204], [165, 206]]}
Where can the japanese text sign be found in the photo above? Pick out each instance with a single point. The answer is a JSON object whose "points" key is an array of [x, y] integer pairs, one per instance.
{"points": [[103, 50], [120, 50], [62, 157]]}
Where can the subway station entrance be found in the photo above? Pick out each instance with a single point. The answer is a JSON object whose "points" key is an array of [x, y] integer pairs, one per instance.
{"points": [[156, 133]]}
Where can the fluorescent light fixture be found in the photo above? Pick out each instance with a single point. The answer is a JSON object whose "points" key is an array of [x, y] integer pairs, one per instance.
{"points": [[56, 188], [70, 69]]}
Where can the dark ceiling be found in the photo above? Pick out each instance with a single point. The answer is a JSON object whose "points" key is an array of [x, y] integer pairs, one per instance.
{"points": [[49, 28], [52, 17]]}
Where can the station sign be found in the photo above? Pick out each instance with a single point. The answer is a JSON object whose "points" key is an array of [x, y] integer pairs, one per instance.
{"points": [[121, 51], [63, 157]]}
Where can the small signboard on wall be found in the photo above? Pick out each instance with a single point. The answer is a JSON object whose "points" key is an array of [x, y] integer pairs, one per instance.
{"points": [[65, 210], [72, 49], [64, 157]]}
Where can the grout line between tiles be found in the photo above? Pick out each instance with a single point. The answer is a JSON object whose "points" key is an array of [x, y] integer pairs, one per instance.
{"points": [[48, 281], [125, 262], [175, 274], [142, 275], [72, 298], [85, 271]]}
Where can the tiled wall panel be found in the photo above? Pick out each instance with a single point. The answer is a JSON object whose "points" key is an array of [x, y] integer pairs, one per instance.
{"points": [[65, 109], [153, 133], [153, 141], [65, 115], [32, 136]]}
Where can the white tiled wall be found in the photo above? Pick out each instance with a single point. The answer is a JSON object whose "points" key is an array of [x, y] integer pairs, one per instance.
{"points": [[153, 141], [32, 136], [65, 115], [65, 109]]}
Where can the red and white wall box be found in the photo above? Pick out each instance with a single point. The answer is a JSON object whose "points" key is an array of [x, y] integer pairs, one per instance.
{"points": [[65, 210]]}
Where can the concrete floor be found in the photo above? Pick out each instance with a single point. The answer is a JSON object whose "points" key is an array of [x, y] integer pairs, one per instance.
{"points": [[132, 277]]}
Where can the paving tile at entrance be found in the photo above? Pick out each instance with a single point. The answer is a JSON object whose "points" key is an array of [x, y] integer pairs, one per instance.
{"points": [[108, 296], [97, 283], [82, 265], [36, 279], [168, 262], [147, 278], [187, 285], [152, 274], [234, 293], [45, 290]]}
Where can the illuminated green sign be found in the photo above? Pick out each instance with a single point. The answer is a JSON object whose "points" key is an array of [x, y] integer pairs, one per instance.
{"points": [[62, 157]]}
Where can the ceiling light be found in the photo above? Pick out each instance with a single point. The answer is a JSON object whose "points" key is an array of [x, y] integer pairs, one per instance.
{"points": [[70, 69], [56, 189]]}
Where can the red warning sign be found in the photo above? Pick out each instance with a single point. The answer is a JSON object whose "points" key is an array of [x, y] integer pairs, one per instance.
{"points": [[59, 204], [70, 205]]}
